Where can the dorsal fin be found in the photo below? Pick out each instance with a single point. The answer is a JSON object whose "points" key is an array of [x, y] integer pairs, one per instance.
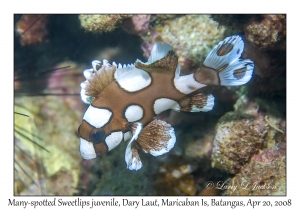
{"points": [[121, 71], [159, 50], [162, 57], [100, 79]]}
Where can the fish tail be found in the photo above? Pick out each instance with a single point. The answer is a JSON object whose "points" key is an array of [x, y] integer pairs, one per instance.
{"points": [[223, 65]]}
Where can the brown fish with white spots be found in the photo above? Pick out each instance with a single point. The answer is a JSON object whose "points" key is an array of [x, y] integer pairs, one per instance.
{"points": [[124, 100]]}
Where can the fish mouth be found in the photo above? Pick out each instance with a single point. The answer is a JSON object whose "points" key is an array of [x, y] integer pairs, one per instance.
{"points": [[87, 150]]}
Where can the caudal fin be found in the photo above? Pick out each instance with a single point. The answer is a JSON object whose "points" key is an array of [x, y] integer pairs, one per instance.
{"points": [[223, 65]]}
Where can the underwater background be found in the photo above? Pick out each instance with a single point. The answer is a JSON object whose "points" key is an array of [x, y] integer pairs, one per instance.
{"points": [[242, 140]]}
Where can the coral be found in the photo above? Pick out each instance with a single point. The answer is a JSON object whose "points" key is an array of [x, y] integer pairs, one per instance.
{"points": [[32, 29], [238, 137], [137, 24], [192, 37], [165, 16], [245, 132], [271, 112], [270, 32], [264, 31], [157, 19], [265, 174], [101, 23]]}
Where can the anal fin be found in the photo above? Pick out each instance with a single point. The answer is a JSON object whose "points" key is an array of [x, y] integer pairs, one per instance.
{"points": [[199, 102], [157, 138]]}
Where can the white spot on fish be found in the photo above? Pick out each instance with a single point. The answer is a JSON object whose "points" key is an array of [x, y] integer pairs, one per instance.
{"points": [[134, 113], [163, 104], [187, 84], [114, 140], [132, 79], [87, 149], [97, 117]]}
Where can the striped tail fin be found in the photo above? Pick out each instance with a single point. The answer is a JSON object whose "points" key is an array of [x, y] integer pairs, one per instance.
{"points": [[223, 65]]}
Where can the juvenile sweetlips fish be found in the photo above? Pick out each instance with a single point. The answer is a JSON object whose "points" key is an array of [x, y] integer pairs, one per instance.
{"points": [[124, 100]]}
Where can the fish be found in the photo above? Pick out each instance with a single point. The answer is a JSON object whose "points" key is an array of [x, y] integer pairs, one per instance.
{"points": [[124, 100]]}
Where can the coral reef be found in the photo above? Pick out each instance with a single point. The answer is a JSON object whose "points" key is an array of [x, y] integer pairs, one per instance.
{"points": [[101, 23], [268, 33], [32, 29], [271, 112], [243, 137], [243, 133], [260, 113], [192, 37], [238, 137], [250, 143], [265, 174], [137, 24]]}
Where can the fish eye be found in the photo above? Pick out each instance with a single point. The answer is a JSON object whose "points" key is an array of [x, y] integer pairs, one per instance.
{"points": [[97, 136]]}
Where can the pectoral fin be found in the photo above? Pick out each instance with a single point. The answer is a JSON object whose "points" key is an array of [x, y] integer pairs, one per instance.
{"points": [[157, 138]]}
